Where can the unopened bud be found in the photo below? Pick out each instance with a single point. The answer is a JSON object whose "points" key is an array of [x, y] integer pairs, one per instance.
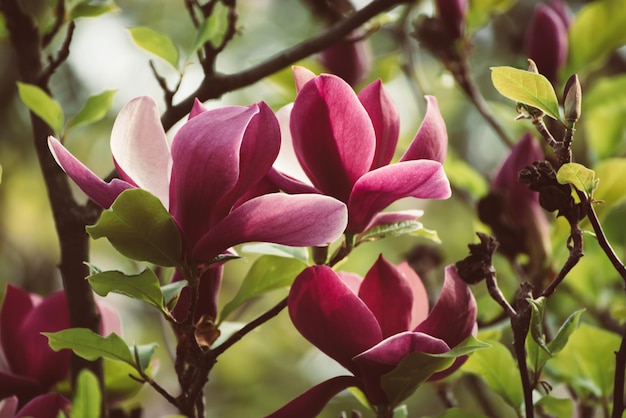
{"points": [[573, 98], [546, 41], [349, 59], [452, 15]]}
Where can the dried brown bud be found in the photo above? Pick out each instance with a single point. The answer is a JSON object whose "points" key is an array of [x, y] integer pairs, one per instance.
{"points": [[476, 266]]}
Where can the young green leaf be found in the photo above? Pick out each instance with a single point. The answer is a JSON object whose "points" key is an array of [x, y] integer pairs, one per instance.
{"points": [[88, 8], [528, 88], [171, 293], [412, 227], [87, 397], [604, 108], [578, 176], [498, 369], [481, 12], [42, 105], [156, 43], [536, 322], [269, 272], [94, 109], [266, 248], [214, 28], [143, 286], [140, 228]]}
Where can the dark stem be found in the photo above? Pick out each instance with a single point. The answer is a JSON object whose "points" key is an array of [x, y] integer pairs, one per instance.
{"points": [[70, 218], [620, 369], [575, 254]]}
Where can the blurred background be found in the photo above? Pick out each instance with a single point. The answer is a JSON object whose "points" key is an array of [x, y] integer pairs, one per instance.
{"points": [[274, 364]]}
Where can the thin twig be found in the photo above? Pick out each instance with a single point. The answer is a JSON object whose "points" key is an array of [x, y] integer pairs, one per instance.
{"points": [[618, 385], [575, 254], [64, 52], [147, 379], [59, 18]]}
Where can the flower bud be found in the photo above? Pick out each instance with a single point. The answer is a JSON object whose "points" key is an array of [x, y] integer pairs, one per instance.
{"points": [[572, 99], [452, 15], [348, 59], [546, 41]]}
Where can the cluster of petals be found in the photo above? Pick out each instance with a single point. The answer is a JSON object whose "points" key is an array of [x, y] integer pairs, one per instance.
{"points": [[369, 325], [31, 367], [210, 180], [344, 144], [49, 405]]}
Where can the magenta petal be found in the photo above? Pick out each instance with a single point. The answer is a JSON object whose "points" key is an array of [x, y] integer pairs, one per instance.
{"points": [[388, 295], [16, 306], [454, 316], [333, 135], [431, 140], [196, 109], [208, 153], [8, 406], [331, 316], [104, 194], [419, 311], [140, 148], [385, 119], [23, 387], [289, 184], [547, 41], [392, 350], [295, 220], [45, 406], [311, 402], [424, 179]]}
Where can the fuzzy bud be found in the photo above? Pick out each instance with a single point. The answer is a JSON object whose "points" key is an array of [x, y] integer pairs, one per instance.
{"points": [[572, 99]]}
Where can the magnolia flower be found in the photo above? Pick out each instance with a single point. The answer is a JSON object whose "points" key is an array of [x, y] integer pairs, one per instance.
{"points": [[32, 367], [351, 60], [49, 405], [208, 180], [546, 41], [344, 144], [370, 325]]}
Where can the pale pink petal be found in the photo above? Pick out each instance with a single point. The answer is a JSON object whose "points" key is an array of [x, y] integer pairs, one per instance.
{"points": [[332, 134], [385, 119], [8, 406], [311, 402], [197, 108], [331, 316], [431, 140], [424, 179], [295, 220], [352, 280], [301, 76], [454, 316], [102, 193], [287, 161], [420, 296], [140, 148], [388, 295]]}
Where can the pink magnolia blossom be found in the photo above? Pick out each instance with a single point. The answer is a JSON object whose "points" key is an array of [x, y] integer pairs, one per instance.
{"points": [[344, 143], [369, 326], [49, 405], [32, 367], [211, 178], [546, 40]]}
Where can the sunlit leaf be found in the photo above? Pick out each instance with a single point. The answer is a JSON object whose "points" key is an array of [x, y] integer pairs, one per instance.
{"points": [[498, 369], [214, 28], [87, 397], [597, 29], [156, 43], [266, 248], [143, 286], [556, 407], [140, 228], [117, 380], [401, 412], [578, 176], [465, 177], [536, 322], [268, 273], [587, 362], [42, 105], [604, 111], [89, 345], [481, 11], [392, 230], [525, 87], [565, 331], [90, 8], [94, 109]]}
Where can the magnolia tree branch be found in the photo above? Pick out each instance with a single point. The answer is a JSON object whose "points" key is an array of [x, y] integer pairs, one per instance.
{"points": [[215, 85], [70, 218]]}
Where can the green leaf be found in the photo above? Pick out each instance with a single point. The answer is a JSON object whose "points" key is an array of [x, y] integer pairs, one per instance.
{"points": [[42, 105], [143, 286], [416, 368], [458, 413], [587, 362], [465, 177], [117, 379], [565, 331], [144, 353], [94, 109], [395, 229], [139, 227], [612, 189], [87, 398], [498, 369], [171, 293], [597, 30], [482, 11], [91, 8], [525, 87], [556, 407], [4, 33], [536, 322], [578, 176], [265, 248], [89, 345], [604, 110], [213, 29], [401, 412], [269, 272], [156, 43]]}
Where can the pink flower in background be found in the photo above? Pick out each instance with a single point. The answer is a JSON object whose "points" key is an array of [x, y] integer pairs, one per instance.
{"points": [[370, 325], [452, 13], [49, 405], [344, 143], [349, 59], [209, 181], [546, 39], [32, 367]]}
